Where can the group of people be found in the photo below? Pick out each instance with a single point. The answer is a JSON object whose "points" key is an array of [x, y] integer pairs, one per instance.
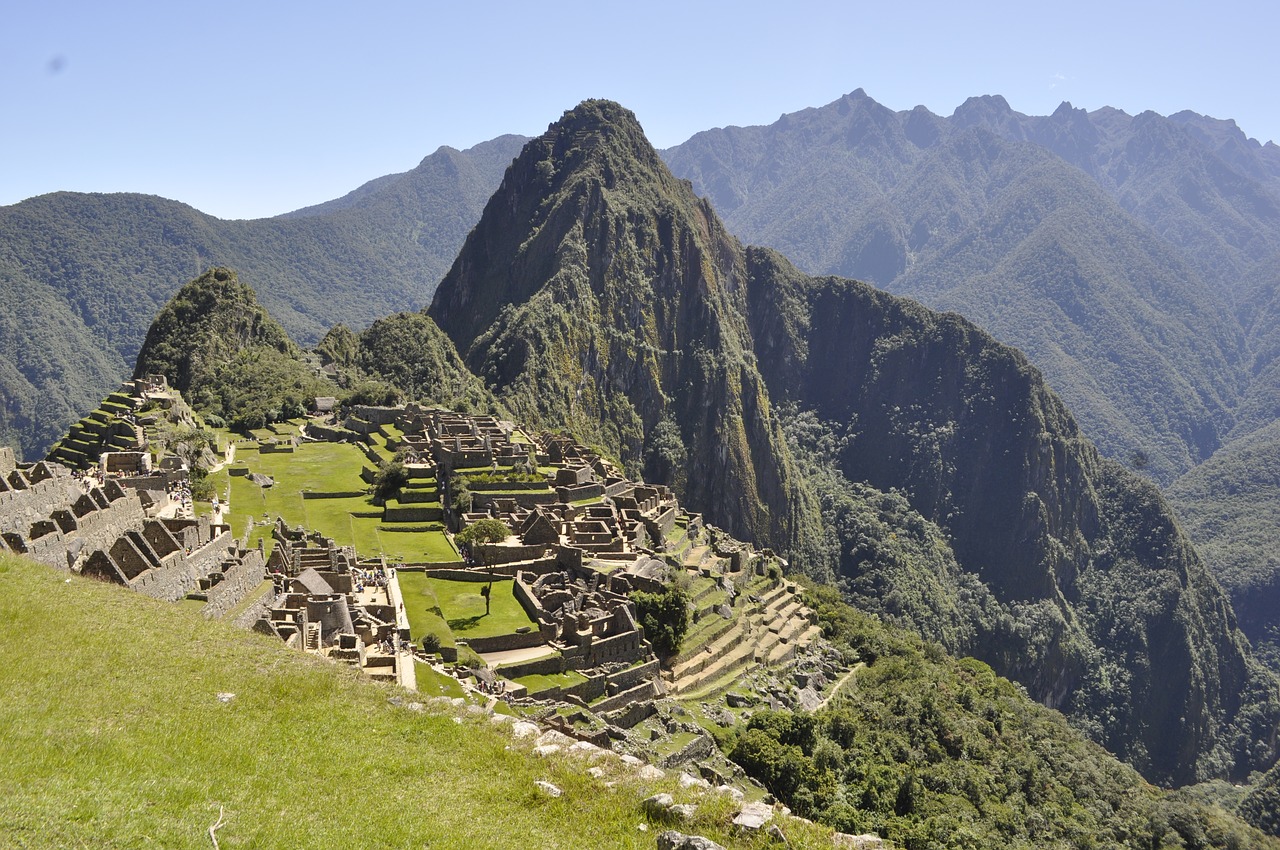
{"points": [[362, 577], [496, 688]]}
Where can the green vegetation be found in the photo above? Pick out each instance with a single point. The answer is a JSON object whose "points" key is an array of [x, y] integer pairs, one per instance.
{"points": [[538, 683], [464, 608], [665, 618], [219, 348], [1230, 506], [142, 751], [932, 752], [484, 531], [88, 272]]}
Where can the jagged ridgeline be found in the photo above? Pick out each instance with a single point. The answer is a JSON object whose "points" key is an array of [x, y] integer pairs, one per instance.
{"points": [[599, 294]]}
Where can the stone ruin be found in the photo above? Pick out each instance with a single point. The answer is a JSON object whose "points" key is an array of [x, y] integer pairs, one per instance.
{"points": [[120, 535], [329, 603]]}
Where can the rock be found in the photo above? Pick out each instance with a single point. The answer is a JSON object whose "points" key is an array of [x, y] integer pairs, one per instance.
{"points": [[585, 748], [630, 760], [688, 780], [392, 700], [501, 719], [801, 679], [596, 772], [551, 736], [416, 706], [866, 841], [673, 840], [730, 791], [734, 700], [775, 832], [682, 812], [524, 729], [617, 733], [809, 699], [544, 750], [548, 789], [753, 816], [650, 772], [225, 697], [657, 805]]}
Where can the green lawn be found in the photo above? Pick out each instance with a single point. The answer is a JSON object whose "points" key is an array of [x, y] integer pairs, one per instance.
{"points": [[326, 468], [537, 683], [433, 684], [463, 607]]}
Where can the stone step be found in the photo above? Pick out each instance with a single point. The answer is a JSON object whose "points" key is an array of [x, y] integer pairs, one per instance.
{"points": [[711, 635], [742, 655], [718, 679], [721, 647]]}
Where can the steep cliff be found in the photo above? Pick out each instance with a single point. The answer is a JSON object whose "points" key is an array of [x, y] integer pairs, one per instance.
{"points": [[1105, 610], [598, 294], [927, 465]]}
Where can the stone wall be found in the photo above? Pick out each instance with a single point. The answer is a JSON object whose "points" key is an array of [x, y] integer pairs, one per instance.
{"points": [[503, 643], [238, 580], [639, 693]]}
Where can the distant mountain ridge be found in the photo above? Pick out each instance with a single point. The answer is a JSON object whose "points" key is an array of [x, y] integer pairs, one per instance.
{"points": [[81, 276], [1168, 228]]}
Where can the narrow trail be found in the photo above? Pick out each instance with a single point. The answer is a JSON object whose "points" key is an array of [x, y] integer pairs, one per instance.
{"points": [[840, 684]]}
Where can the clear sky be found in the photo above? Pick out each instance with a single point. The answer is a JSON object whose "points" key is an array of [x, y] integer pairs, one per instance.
{"points": [[249, 109]]}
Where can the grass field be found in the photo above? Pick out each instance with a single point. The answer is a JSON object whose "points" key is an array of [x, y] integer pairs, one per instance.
{"points": [[462, 606], [538, 683], [350, 520], [142, 753]]}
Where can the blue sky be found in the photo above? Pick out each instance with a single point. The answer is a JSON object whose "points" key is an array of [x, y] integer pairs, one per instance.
{"points": [[252, 109]]}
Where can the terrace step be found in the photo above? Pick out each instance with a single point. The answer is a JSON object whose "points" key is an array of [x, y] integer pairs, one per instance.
{"points": [[723, 645]]}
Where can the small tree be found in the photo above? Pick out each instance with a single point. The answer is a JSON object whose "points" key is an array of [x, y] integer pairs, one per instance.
{"points": [[484, 531], [390, 477], [461, 496], [665, 618]]}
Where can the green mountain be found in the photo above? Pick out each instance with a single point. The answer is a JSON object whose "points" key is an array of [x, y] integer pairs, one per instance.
{"points": [[1082, 238], [81, 276], [1230, 505], [220, 348], [599, 294]]}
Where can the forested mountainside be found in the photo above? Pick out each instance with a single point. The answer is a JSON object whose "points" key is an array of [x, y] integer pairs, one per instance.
{"points": [[82, 275], [1230, 505], [599, 294], [918, 747], [1132, 258]]}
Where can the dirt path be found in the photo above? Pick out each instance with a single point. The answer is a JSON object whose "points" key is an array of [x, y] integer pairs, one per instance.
{"points": [[840, 684]]}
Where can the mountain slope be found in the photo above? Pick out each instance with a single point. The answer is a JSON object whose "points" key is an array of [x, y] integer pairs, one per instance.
{"points": [[979, 213], [598, 294], [99, 267]]}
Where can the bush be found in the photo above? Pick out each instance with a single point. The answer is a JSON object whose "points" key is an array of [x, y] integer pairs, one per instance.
{"points": [[665, 618], [390, 477]]}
